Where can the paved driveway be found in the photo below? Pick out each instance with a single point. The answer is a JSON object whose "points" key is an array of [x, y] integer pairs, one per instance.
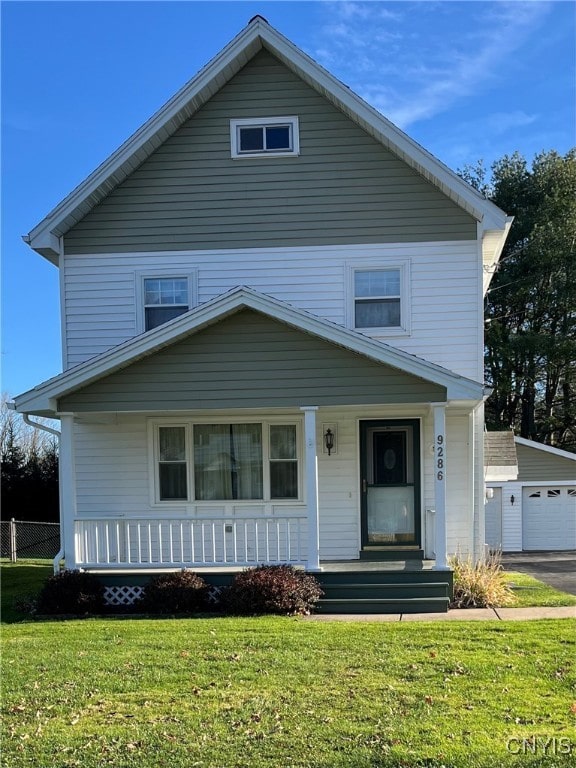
{"points": [[555, 568]]}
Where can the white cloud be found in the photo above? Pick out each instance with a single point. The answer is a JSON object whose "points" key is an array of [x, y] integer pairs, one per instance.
{"points": [[413, 61]]}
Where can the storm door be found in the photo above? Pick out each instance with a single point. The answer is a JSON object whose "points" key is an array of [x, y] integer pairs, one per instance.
{"points": [[390, 482]]}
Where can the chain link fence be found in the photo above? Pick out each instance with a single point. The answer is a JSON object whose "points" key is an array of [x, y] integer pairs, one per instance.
{"points": [[23, 539]]}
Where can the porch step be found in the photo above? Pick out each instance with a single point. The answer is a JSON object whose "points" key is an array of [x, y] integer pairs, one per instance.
{"points": [[385, 605], [392, 554], [385, 591]]}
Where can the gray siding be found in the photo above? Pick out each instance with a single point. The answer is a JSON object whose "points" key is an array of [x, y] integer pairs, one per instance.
{"points": [[540, 466], [250, 361], [343, 188]]}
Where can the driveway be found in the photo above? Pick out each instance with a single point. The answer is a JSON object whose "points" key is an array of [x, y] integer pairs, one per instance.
{"points": [[558, 569]]}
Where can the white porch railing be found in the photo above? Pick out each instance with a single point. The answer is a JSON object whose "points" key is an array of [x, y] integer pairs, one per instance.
{"points": [[190, 542]]}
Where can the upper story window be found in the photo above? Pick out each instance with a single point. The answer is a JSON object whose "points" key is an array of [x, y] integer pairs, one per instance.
{"points": [[265, 137], [162, 296], [380, 299], [164, 299]]}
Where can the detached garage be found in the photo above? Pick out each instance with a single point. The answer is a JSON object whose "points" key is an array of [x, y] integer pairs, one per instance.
{"points": [[536, 509]]}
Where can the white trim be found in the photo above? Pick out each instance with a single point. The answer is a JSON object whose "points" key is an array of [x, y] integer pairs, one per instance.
{"points": [[67, 480], [40, 398], [546, 448], [312, 500], [403, 265], [440, 468], [247, 122], [188, 274], [183, 105]]}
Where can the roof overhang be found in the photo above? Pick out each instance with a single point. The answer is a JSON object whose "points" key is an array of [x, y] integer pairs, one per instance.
{"points": [[43, 399], [258, 35]]}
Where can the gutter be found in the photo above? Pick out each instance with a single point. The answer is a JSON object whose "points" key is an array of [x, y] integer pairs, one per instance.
{"points": [[11, 405]]}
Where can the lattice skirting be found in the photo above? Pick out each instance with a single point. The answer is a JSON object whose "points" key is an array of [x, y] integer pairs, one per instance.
{"points": [[123, 595], [128, 595]]}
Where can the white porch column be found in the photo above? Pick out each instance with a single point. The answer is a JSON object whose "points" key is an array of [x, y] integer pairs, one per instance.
{"points": [[311, 469], [67, 490], [440, 544]]}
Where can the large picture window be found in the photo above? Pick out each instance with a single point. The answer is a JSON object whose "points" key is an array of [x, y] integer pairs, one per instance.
{"points": [[227, 462]]}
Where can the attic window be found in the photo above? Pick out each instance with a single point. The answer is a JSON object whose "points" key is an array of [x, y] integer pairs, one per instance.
{"points": [[264, 137]]}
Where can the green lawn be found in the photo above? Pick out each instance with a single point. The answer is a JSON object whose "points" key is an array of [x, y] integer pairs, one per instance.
{"points": [[270, 692], [528, 591]]}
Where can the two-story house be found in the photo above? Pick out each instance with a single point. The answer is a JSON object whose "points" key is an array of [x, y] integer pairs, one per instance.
{"points": [[272, 313]]}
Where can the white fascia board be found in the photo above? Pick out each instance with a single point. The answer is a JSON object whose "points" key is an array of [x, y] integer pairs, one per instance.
{"points": [[113, 164], [256, 35], [546, 448], [409, 150], [39, 398]]}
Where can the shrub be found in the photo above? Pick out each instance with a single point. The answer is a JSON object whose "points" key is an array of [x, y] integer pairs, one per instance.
{"points": [[481, 584], [178, 592], [73, 592], [279, 589]]}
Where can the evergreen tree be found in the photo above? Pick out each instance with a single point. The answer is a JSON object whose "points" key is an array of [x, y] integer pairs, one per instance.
{"points": [[531, 303]]}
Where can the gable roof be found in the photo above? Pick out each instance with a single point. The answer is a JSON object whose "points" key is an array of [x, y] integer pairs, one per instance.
{"points": [[500, 449], [45, 237], [42, 400], [500, 459], [546, 448]]}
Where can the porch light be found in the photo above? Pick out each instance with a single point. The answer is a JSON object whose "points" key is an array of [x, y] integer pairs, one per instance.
{"points": [[329, 440], [512, 499]]}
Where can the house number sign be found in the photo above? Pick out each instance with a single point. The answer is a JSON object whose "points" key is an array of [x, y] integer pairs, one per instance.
{"points": [[440, 457]]}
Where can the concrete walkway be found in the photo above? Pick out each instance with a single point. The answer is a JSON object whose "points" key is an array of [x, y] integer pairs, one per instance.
{"points": [[463, 614]]}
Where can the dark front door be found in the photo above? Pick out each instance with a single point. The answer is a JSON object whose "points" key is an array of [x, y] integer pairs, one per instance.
{"points": [[390, 482]]}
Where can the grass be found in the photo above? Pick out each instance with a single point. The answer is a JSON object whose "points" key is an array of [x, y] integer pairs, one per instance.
{"points": [[528, 592], [270, 692]]}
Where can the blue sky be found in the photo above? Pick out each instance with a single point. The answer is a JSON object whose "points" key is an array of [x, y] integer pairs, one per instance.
{"points": [[467, 80]]}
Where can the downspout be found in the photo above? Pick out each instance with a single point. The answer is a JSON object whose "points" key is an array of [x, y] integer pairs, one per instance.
{"points": [[36, 425]]}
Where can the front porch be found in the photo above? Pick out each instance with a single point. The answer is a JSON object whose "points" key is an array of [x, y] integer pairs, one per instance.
{"points": [[350, 586]]}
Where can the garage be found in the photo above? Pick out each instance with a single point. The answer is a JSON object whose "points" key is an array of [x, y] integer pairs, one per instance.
{"points": [[549, 517]]}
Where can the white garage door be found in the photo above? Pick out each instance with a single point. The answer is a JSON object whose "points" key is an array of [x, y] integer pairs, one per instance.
{"points": [[549, 518], [493, 516]]}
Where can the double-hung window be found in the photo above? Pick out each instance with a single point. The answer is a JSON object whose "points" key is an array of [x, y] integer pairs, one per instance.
{"points": [[164, 299], [266, 136], [226, 461], [162, 295], [380, 299]]}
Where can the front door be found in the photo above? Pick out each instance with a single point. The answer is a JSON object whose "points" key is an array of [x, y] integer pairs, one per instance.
{"points": [[390, 482]]}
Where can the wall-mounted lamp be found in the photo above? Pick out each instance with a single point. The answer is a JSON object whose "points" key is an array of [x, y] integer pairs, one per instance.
{"points": [[329, 440], [512, 499]]}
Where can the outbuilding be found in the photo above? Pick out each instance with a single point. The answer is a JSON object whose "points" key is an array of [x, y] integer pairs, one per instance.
{"points": [[530, 502]]}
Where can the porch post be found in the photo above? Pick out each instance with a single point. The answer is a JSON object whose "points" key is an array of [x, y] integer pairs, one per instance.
{"points": [[67, 490], [311, 464], [440, 544]]}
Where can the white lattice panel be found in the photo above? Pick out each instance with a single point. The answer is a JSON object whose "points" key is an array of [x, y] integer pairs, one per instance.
{"points": [[122, 595]]}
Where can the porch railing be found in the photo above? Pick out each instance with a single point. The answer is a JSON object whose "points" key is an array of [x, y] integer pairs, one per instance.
{"points": [[190, 542]]}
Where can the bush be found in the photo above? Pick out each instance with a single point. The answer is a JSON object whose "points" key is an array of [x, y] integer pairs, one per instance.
{"points": [[73, 592], [279, 589], [480, 585], [178, 592]]}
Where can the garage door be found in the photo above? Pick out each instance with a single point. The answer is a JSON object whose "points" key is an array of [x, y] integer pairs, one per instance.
{"points": [[549, 518], [493, 517]]}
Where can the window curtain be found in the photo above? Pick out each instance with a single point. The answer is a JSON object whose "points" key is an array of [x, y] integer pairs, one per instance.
{"points": [[228, 461], [172, 467]]}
